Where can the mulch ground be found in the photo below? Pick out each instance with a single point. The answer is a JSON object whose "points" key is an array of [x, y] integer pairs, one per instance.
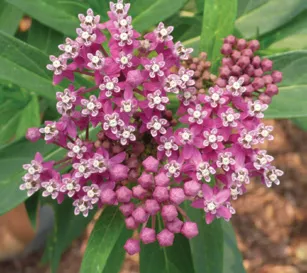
{"points": [[271, 224]]}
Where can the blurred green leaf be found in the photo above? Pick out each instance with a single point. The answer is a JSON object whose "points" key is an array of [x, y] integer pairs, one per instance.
{"points": [[44, 38], [58, 14], [147, 13], [300, 122], [32, 208], [199, 5], [10, 17], [293, 42], [269, 16], [207, 247], [245, 6], [100, 7], [292, 97], [218, 20], [173, 259], [67, 227], [103, 239], [16, 119], [25, 66], [233, 262]]}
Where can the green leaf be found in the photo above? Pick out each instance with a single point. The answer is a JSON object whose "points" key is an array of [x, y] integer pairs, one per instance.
{"points": [[67, 228], [199, 6], [293, 42], [174, 259], [207, 247], [232, 257], [218, 20], [31, 207], [147, 13], [300, 122], [58, 14], [100, 7], [269, 16], [44, 38], [104, 237], [10, 17], [25, 66], [245, 6]]}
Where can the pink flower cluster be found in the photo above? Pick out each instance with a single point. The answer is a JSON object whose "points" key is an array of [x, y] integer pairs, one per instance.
{"points": [[143, 160]]}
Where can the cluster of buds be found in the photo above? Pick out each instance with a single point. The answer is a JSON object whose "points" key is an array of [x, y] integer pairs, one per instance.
{"points": [[145, 159]]}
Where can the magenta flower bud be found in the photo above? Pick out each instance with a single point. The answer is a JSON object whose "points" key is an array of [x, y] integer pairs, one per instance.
{"points": [[225, 72], [258, 83], [169, 213], [230, 39], [249, 70], [127, 209], [174, 226], [140, 215], [256, 62], [235, 55], [132, 246], [33, 134], [191, 188], [221, 82], [249, 89], [227, 62], [119, 172], [271, 90], [134, 78], [108, 196], [148, 235], [226, 49], [152, 206], [243, 61], [265, 98], [267, 79], [277, 76], [177, 195], [258, 72], [123, 194], [146, 180], [117, 149], [131, 223], [254, 45], [133, 175], [247, 52], [162, 179], [165, 238], [139, 192], [161, 194], [236, 70], [132, 163], [266, 65], [241, 44], [246, 79], [189, 229], [151, 164], [138, 148]]}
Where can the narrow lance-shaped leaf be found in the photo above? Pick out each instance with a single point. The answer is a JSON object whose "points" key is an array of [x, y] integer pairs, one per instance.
{"points": [[10, 17], [218, 19]]}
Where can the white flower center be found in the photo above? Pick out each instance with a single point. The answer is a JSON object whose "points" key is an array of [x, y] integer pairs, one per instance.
{"points": [[65, 99], [163, 32], [76, 149], [81, 169], [113, 122], [168, 145], [69, 186], [215, 97], [225, 161], [96, 163], [123, 22], [273, 177], [124, 60], [236, 85], [157, 125], [85, 35], [265, 133], [172, 169], [56, 64], [90, 106], [234, 191], [173, 84], [82, 207], [212, 138], [126, 134], [157, 100], [47, 130], [196, 114], [123, 36], [248, 138], [95, 60], [119, 6], [110, 85], [241, 177], [68, 48], [88, 19], [230, 117], [28, 185], [155, 68], [257, 107], [49, 189], [185, 77], [211, 206], [127, 107], [263, 161], [90, 194], [187, 94], [185, 135], [31, 170]]}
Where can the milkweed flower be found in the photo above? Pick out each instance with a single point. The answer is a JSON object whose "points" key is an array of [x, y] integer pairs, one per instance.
{"points": [[141, 158]]}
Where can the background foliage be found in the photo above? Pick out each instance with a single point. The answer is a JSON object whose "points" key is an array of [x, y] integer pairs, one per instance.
{"points": [[27, 98]]}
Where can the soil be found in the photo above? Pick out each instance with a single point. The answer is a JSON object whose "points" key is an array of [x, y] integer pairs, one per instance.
{"points": [[271, 224]]}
